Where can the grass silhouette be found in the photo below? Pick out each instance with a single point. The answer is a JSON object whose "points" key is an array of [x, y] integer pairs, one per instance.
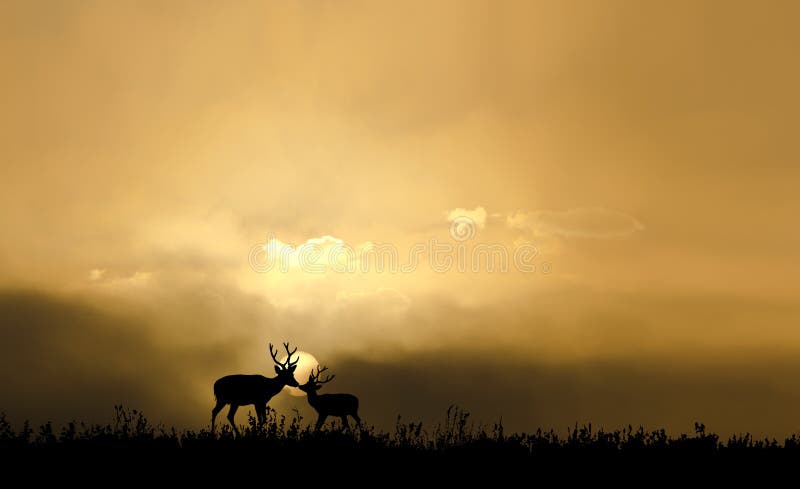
{"points": [[453, 452], [455, 436]]}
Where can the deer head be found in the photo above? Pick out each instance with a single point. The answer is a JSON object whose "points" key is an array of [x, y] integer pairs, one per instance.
{"points": [[314, 383], [285, 370], [339, 405]]}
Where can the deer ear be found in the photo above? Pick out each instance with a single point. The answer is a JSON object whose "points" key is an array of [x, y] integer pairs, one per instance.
{"points": [[277, 369], [292, 368]]}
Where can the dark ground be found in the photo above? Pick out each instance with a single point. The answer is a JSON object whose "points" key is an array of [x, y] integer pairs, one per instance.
{"points": [[286, 449]]}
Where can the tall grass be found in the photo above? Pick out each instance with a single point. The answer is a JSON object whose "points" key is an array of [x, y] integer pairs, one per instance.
{"points": [[455, 435]]}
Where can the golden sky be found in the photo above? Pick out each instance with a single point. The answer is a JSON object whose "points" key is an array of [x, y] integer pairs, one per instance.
{"points": [[648, 150]]}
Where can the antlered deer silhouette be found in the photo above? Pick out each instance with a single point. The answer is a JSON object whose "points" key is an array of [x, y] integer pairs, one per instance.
{"points": [[243, 390], [326, 405]]}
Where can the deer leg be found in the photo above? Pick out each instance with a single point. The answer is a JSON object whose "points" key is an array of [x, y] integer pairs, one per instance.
{"points": [[231, 417], [321, 420], [261, 413], [345, 424], [215, 412]]}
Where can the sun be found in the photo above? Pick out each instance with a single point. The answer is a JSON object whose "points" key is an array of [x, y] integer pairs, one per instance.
{"points": [[305, 365]]}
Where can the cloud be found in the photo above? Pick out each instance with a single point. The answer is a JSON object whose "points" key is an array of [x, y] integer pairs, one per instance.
{"points": [[96, 273], [478, 215], [122, 284], [549, 362], [62, 359], [581, 222], [528, 393], [312, 256], [382, 302]]}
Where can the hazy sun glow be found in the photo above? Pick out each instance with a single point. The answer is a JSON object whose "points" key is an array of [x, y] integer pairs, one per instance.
{"points": [[305, 365]]}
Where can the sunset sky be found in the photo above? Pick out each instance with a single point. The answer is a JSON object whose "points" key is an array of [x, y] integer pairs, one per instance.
{"points": [[647, 150]]}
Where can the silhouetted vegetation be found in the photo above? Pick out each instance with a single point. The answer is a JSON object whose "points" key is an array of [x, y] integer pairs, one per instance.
{"points": [[454, 452], [455, 436]]}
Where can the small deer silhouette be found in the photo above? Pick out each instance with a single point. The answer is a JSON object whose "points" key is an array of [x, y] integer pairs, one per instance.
{"points": [[326, 405], [243, 390]]}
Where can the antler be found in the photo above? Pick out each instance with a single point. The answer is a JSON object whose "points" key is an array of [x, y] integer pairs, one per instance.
{"points": [[274, 354], [316, 375], [288, 363]]}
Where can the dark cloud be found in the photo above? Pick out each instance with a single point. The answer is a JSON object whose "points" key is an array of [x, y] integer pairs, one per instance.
{"points": [[63, 359], [735, 396]]}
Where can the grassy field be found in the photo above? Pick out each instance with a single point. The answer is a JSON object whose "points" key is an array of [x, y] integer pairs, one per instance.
{"points": [[454, 439]]}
